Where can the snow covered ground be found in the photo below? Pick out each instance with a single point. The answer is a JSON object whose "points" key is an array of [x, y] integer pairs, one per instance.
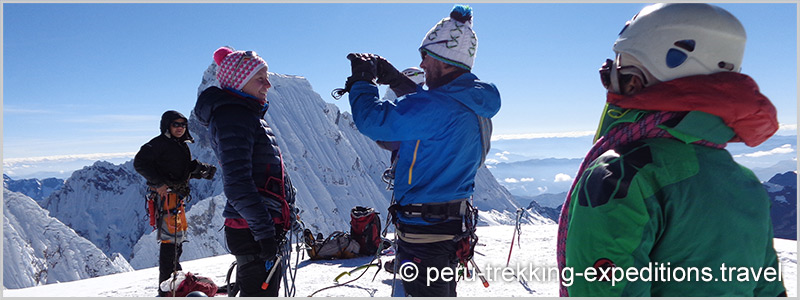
{"points": [[537, 248]]}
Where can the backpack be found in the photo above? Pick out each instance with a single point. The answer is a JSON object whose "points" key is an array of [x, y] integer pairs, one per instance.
{"points": [[337, 245], [365, 228], [193, 283]]}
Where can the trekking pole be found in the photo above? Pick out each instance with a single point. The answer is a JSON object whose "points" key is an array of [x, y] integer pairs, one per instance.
{"points": [[175, 249], [516, 228]]}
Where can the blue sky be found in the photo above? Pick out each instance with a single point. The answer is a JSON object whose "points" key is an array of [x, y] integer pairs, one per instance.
{"points": [[95, 78]]}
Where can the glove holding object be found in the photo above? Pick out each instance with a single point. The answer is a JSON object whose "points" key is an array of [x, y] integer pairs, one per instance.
{"points": [[388, 74]]}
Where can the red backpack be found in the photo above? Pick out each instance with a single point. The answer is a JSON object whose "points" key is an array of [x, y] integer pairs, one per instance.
{"points": [[195, 283], [365, 228]]}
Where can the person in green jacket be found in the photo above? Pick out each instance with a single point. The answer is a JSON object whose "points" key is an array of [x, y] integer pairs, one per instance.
{"points": [[659, 207]]}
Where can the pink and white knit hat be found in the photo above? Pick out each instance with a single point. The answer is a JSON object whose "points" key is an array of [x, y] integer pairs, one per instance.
{"points": [[236, 67]]}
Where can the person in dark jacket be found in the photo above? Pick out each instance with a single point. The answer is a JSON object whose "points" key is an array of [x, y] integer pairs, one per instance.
{"points": [[257, 186], [166, 163], [444, 135]]}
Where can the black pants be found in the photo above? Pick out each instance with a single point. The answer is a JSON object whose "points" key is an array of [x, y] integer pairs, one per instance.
{"points": [[250, 275], [437, 255], [166, 257]]}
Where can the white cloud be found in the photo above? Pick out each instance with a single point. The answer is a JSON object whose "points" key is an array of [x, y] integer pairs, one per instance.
{"points": [[542, 189], [785, 149], [502, 156], [528, 179], [562, 177], [510, 180], [525, 136], [788, 127], [11, 162]]}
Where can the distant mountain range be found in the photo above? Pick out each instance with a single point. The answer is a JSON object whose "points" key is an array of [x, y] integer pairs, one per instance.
{"points": [[781, 188], [547, 165]]}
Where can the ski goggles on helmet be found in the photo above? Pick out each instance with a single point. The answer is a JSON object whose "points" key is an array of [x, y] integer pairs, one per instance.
{"points": [[614, 76]]}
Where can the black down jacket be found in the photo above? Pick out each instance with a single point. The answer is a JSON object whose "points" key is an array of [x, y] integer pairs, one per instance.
{"points": [[255, 182], [166, 159]]}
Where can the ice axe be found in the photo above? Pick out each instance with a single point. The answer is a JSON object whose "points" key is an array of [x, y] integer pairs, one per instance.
{"points": [[270, 265]]}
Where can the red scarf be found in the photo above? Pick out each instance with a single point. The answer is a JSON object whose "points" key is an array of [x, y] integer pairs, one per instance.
{"points": [[751, 115]]}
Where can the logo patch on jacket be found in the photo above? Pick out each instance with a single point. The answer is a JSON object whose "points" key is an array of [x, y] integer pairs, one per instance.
{"points": [[605, 268]]}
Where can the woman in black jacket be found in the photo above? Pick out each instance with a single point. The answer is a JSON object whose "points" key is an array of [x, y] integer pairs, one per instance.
{"points": [[256, 183], [166, 163]]}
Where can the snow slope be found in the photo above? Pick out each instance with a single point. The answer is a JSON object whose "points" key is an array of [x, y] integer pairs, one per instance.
{"points": [[38, 249], [537, 249]]}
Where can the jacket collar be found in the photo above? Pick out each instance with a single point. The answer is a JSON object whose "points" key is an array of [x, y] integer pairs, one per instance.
{"points": [[732, 97]]}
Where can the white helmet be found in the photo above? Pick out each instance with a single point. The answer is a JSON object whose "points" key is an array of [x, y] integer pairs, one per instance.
{"points": [[416, 75], [676, 40]]}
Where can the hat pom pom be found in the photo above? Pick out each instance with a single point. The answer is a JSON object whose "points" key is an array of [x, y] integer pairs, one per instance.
{"points": [[461, 13], [221, 53]]}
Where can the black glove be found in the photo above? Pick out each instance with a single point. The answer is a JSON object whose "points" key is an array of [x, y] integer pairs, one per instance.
{"points": [[363, 67], [203, 170], [208, 171], [388, 74], [269, 249]]}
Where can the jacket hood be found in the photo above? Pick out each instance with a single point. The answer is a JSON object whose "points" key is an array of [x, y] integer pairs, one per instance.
{"points": [[213, 97], [166, 121], [734, 97], [481, 97]]}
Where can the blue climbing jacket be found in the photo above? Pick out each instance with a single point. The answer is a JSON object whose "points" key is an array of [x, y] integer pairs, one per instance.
{"points": [[439, 134]]}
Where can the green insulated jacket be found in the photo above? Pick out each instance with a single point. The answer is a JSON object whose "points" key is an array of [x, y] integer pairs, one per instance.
{"points": [[676, 219]]}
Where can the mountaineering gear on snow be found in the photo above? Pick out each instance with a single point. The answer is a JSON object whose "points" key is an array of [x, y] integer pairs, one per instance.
{"points": [[457, 49], [516, 235], [441, 143], [337, 245], [349, 273], [365, 228], [185, 284], [675, 40], [654, 176]]}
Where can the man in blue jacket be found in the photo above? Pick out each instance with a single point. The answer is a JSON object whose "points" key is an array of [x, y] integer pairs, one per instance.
{"points": [[442, 145]]}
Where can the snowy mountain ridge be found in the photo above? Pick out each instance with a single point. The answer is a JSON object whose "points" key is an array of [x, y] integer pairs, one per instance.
{"points": [[39, 249]]}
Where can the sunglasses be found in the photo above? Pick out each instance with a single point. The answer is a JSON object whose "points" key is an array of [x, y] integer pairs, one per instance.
{"points": [[614, 77], [179, 124]]}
